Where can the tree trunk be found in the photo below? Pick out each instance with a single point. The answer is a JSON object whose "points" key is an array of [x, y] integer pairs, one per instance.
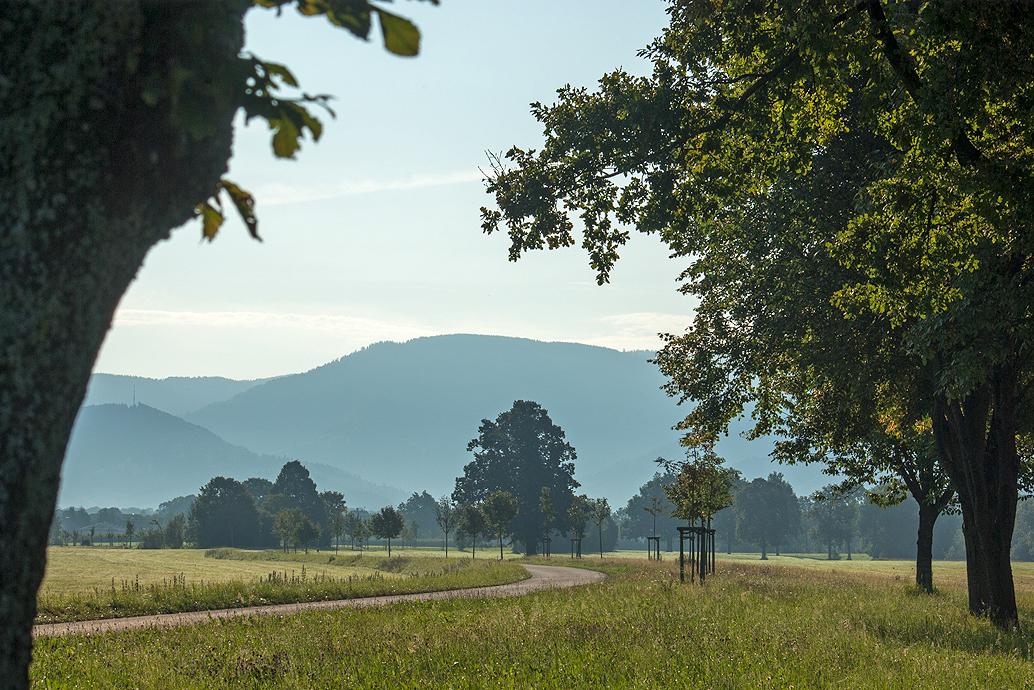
{"points": [[764, 551], [977, 439], [90, 178], [924, 546]]}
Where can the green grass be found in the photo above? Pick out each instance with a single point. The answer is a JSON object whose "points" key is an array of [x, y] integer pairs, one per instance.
{"points": [[752, 625], [241, 578]]}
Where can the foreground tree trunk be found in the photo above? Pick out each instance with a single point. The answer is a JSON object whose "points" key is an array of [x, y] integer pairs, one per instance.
{"points": [[924, 546], [977, 438], [91, 177]]}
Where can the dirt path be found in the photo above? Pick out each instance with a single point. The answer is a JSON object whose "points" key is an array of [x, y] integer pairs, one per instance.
{"points": [[542, 577]]}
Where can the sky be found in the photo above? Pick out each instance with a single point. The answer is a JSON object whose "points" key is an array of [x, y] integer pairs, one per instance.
{"points": [[373, 233]]}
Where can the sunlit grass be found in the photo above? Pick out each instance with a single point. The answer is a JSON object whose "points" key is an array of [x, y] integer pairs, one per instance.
{"points": [[241, 578], [752, 625]]}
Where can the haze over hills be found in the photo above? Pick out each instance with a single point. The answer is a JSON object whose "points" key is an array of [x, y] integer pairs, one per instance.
{"points": [[390, 415], [403, 413], [176, 395], [123, 455]]}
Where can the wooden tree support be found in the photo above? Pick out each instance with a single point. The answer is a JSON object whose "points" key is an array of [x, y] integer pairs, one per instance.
{"points": [[701, 552], [653, 548]]}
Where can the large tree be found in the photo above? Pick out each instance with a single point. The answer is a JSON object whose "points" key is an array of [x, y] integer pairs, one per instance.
{"points": [[767, 513], [297, 487], [932, 248], [224, 514], [521, 452], [116, 127]]}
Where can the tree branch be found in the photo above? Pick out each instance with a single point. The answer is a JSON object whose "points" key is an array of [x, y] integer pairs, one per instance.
{"points": [[965, 151]]}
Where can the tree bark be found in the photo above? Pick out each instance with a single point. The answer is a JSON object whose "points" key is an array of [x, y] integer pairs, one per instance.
{"points": [[977, 439], [90, 178], [924, 546]]}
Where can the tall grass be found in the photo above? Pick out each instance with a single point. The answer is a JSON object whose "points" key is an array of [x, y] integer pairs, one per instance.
{"points": [[310, 580], [750, 626]]}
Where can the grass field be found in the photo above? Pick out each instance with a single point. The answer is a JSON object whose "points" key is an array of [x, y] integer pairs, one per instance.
{"points": [[91, 583], [752, 625]]}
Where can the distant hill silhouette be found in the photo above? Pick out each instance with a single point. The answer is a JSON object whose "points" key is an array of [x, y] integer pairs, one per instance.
{"points": [[176, 395], [123, 455], [403, 413]]}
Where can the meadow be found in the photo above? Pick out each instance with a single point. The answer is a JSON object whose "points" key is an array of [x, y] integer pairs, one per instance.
{"points": [[84, 583], [753, 624]]}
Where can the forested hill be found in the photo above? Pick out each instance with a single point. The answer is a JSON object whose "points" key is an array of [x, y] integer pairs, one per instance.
{"points": [[176, 395], [121, 455], [403, 414]]}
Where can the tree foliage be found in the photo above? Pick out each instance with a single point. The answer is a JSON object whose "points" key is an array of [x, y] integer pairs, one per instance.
{"points": [[387, 523], [767, 513], [701, 486], [649, 512], [500, 509], [224, 514], [816, 161], [521, 452], [446, 514], [472, 522]]}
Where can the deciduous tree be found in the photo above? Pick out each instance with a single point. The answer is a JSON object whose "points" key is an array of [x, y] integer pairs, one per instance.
{"points": [[521, 452], [599, 511], [578, 514], [446, 515], [472, 523], [387, 523], [500, 509], [224, 514], [116, 127], [722, 151]]}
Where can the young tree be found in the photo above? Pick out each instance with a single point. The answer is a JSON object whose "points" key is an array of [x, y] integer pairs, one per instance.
{"points": [[578, 514], [649, 503], [338, 526], [130, 529], [446, 515], [548, 517], [521, 452], [306, 532], [727, 151], [285, 526], [357, 528], [599, 510], [472, 523], [500, 508], [100, 158], [388, 524]]}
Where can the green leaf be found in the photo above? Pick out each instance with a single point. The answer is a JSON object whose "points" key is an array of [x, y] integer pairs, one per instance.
{"points": [[245, 204], [286, 137], [401, 36], [275, 69], [211, 220]]}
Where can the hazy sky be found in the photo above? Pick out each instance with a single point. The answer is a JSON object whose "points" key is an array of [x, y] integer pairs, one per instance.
{"points": [[374, 233]]}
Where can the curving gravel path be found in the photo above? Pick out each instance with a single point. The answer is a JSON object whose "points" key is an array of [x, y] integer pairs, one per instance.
{"points": [[542, 577]]}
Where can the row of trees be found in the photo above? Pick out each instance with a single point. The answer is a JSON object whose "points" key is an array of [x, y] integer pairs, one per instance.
{"points": [[767, 514]]}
